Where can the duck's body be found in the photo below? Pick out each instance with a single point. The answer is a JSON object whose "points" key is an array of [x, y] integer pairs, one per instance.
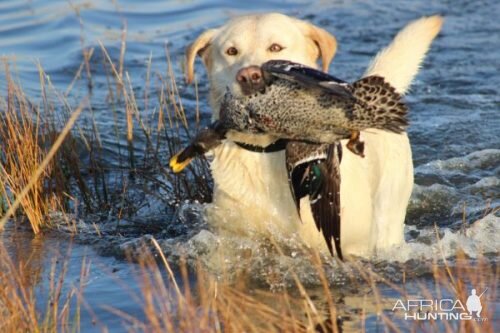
{"points": [[301, 103]]}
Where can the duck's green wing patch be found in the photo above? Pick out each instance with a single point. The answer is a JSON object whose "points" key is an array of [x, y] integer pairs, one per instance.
{"points": [[314, 171]]}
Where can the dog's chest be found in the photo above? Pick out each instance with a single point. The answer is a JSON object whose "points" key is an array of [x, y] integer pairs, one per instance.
{"points": [[253, 179]]}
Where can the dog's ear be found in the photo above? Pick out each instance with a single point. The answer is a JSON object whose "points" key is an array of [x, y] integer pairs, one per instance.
{"points": [[197, 48], [325, 42]]}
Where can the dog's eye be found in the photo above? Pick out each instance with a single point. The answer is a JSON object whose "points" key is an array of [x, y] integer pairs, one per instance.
{"points": [[275, 47], [232, 51]]}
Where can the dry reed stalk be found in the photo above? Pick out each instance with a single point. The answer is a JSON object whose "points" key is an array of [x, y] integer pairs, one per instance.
{"points": [[21, 156], [86, 52], [29, 195]]}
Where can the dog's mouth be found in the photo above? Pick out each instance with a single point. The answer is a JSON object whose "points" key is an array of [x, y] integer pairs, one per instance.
{"points": [[252, 89]]}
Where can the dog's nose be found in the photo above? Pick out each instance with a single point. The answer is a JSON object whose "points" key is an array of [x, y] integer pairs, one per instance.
{"points": [[250, 74], [250, 79]]}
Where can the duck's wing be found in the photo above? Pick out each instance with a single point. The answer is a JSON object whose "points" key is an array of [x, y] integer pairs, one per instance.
{"points": [[308, 77], [314, 171]]}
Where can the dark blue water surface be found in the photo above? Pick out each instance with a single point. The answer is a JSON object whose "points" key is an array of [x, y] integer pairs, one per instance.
{"points": [[454, 102]]}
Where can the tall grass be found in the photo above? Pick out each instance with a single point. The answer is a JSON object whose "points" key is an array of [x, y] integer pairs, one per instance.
{"points": [[21, 154], [80, 176]]}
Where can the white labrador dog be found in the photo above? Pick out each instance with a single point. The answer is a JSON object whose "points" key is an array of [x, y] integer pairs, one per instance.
{"points": [[251, 191]]}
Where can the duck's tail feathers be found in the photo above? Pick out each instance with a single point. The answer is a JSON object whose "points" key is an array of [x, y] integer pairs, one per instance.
{"points": [[379, 106]]}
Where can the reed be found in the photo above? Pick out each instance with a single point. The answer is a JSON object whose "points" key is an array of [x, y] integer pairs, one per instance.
{"points": [[22, 154]]}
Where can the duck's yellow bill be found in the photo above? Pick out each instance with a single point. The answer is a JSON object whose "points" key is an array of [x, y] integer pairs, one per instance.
{"points": [[176, 166]]}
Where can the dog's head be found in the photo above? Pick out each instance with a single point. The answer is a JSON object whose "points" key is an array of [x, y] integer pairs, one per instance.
{"points": [[233, 52]]}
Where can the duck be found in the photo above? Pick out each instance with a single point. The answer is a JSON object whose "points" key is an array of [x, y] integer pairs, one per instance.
{"points": [[310, 112]]}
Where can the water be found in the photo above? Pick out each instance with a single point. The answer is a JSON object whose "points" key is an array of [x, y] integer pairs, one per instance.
{"points": [[454, 117]]}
